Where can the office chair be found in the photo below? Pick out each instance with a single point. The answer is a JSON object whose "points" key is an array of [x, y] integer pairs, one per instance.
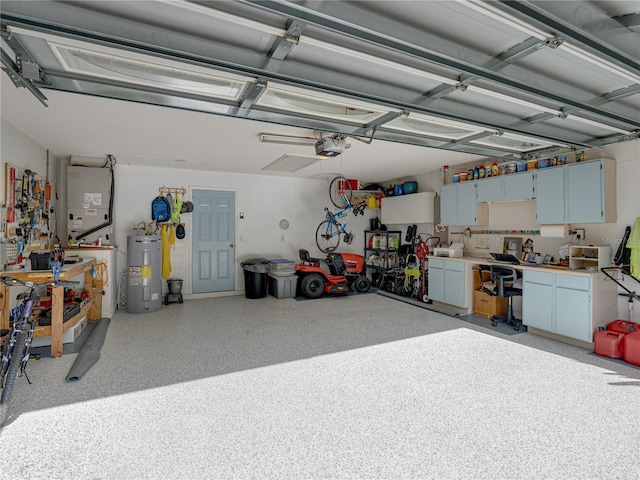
{"points": [[504, 279]]}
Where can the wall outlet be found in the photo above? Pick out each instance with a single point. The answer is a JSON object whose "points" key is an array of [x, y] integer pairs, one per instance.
{"points": [[579, 233]]}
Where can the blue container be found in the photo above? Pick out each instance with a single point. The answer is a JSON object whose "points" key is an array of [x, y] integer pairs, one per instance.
{"points": [[398, 190], [410, 187]]}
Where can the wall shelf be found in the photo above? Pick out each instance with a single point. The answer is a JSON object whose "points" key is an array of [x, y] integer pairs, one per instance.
{"points": [[584, 256]]}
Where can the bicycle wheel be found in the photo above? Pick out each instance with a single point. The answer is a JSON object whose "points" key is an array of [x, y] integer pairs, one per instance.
{"points": [[10, 378], [340, 192], [327, 238]]}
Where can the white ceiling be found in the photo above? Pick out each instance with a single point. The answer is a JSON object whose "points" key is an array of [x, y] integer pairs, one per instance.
{"points": [[197, 82], [140, 134]]}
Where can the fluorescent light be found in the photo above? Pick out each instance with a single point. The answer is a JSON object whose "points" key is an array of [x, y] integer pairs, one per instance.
{"points": [[287, 139], [291, 163]]}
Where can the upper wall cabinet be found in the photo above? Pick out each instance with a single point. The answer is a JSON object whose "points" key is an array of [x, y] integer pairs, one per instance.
{"points": [[591, 195], [577, 193], [517, 186], [459, 205], [550, 196], [412, 208]]}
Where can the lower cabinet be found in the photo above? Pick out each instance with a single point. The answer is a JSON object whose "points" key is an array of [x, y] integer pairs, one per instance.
{"points": [[559, 303], [447, 282]]}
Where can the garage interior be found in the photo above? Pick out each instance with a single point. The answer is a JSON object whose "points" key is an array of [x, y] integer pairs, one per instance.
{"points": [[234, 96]]}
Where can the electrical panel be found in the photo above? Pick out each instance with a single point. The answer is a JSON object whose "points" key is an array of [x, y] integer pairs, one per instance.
{"points": [[88, 206]]}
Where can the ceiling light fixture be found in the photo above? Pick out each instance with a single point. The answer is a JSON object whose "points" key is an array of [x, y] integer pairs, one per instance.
{"points": [[286, 139], [291, 163]]}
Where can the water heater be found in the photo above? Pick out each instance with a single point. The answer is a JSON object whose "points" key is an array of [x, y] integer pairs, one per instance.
{"points": [[144, 260]]}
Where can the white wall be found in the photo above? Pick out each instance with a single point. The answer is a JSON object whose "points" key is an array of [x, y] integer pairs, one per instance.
{"points": [[263, 199]]}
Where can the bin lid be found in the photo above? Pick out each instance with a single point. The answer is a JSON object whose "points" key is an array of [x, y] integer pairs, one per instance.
{"points": [[258, 265]]}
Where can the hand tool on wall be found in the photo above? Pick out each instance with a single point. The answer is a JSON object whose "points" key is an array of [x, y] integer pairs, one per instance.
{"points": [[11, 204]]}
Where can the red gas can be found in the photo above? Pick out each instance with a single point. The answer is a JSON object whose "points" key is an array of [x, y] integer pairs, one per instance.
{"points": [[608, 344], [631, 347], [623, 326]]}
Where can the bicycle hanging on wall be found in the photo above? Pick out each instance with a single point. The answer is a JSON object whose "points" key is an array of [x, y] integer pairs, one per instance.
{"points": [[331, 229]]}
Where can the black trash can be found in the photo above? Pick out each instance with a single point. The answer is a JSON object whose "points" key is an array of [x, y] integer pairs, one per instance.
{"points": [[255, 277]]}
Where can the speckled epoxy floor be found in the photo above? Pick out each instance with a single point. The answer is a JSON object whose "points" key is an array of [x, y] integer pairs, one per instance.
{"points": [[354, 387]]}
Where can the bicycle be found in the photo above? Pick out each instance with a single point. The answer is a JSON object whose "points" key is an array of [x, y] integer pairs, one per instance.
{"points": [[16, 341], [330, 230]]}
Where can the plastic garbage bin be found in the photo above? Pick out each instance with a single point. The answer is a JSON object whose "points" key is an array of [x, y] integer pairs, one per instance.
{"points": [[255, 277]]}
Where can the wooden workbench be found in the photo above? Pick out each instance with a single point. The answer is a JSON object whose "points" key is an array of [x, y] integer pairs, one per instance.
{"points": [[58, 325]]}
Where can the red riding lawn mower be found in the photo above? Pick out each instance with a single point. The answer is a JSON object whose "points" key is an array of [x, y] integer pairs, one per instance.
{"points": [[347, 270]]}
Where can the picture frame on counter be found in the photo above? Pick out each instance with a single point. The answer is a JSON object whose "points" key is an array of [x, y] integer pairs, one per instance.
{"points": [[513, 246]]}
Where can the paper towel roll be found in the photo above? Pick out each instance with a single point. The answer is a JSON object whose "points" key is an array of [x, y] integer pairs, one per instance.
{"points": [[555, 231]]}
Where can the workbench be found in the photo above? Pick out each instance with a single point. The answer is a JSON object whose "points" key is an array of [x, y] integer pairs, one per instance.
{"points": [[58, 325]]}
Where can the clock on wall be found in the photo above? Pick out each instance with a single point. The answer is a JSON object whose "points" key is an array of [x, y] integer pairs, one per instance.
{"points": [[284, 224]]}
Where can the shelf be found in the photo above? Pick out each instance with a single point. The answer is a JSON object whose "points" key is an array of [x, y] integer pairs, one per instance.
{"points": [[582, 256], [364, 193], [45, 331]]}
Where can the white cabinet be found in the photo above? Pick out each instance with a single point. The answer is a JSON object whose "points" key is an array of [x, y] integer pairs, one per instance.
{"points": [[573, 306], [412, 208], [459, 205], [577, 193], [447, 282]]}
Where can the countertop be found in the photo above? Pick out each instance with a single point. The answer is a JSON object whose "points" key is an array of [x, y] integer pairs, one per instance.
{"points": [[524, 266]]}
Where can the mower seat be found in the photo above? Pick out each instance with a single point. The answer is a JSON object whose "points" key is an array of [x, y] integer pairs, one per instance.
{"points": [[336, 265], [306, 259]]}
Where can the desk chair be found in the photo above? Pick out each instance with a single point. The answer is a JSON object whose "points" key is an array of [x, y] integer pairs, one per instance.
{"points": [[504, 278]]}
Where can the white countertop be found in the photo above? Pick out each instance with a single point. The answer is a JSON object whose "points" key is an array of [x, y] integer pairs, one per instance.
{"points": [[546, 268]]}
